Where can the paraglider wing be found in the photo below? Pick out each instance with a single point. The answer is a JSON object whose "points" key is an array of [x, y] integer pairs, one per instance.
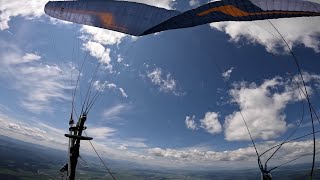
{"points": [[239, 10], [141, 19], [126, 17]]}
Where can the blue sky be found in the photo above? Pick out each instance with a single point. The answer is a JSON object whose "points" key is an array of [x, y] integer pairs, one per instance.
{"points": [[167, 102]]}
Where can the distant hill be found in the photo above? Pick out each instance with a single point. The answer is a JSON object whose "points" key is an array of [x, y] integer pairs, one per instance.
{"points": [[22, 160]]}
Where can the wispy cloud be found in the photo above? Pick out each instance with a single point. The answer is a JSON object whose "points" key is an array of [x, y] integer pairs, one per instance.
{"points": [[226, 75], [111, 86], [115, 112], [124, 94], [46, 135], [166, 83], [38, 133], [100, 132], [39, 83]]}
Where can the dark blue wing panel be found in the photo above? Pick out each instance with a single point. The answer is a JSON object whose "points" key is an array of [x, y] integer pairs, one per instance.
{"points": [[127, 17], [141, 19]]}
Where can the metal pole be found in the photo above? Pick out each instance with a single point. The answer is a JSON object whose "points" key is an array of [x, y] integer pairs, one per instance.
{"points": [[75, 136], [266, 176]]}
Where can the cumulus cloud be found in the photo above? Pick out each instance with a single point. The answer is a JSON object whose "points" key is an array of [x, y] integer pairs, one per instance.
{"points": [[245, 155], [99, 41], [24, 8], [211, 123], [226, 75], [98, 51], [101, 36], [262, 107], [296, 31], [204, 155], [166, 83], [191, 123]]}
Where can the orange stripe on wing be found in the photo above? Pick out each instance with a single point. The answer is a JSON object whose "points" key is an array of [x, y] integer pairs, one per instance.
{"points": [[105, 17], [236, 12]]}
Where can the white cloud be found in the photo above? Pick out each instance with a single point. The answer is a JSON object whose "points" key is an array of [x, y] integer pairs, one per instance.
{"points": [[191, 123], [96, 38], [201, 155], [95, 49], [101, 36], [262, 107], [38, 133], [25, 8], [46, 135], [226, 75], [39, 83], [245, 156], [155, 76], [13, 58], [296, 31], [135, 148], [111, 85], [28, 57], [98, 51], [123, 93], [100, 132], [122, 147], [211, 123], [102, 86], [312, 78], [134, 143], [33, 132], [165, 83], [194, 3], [114, 113], [167, 4]]}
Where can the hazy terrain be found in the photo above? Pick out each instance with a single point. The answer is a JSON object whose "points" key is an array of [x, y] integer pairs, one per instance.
{"points": [[21, 160]]}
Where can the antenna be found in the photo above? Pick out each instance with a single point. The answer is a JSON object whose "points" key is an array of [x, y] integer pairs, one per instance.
{"points": [[75, 137]]}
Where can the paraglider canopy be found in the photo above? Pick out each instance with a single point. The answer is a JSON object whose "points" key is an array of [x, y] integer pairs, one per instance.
{"points": [[140, 19]]}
